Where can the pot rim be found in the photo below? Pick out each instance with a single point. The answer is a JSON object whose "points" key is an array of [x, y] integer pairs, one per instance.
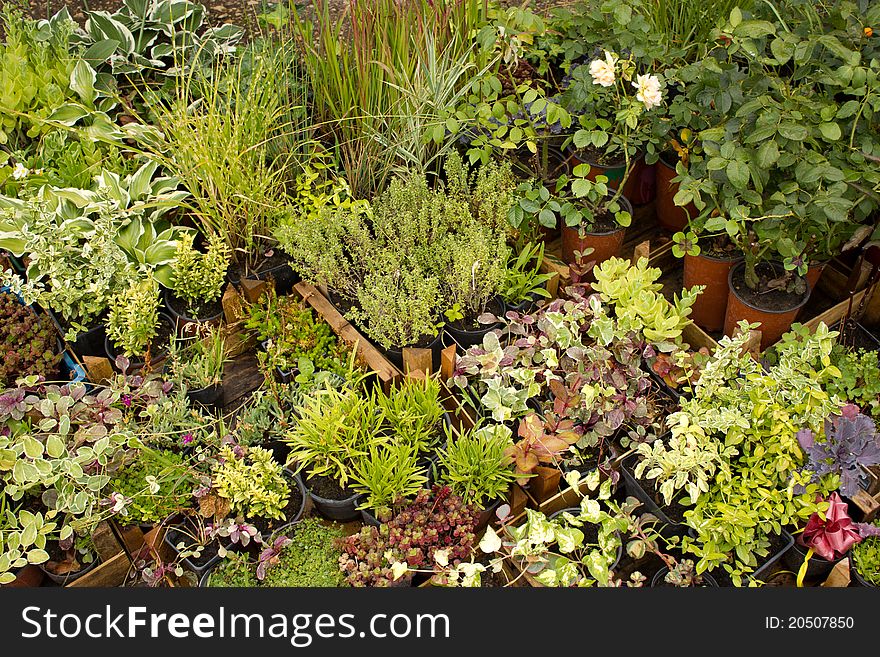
{"points": [[576, 152], [776, 266], [732, 259], [186, 318]]}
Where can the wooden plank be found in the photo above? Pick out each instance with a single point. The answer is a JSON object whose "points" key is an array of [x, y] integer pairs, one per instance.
{"points": [[109, 573], [368, 354], [418, 360], [836, 312], [867, 504], [241, 376]]}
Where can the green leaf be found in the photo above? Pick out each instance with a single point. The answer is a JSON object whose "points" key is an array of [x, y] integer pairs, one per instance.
{"points": [[738, 174], [793, 131], [831, 131], [767, 154], [54, 447], [82, 81], [99, 52]]}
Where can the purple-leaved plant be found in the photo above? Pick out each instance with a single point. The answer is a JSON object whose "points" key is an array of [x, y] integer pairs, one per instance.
{"points": [[851, 440]]}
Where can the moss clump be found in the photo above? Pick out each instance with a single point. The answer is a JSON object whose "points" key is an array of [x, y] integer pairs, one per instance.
{"points": [[312, 559], [237, 570], [174, 480]]}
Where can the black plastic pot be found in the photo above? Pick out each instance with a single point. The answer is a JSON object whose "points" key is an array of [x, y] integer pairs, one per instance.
{"points": [[304, 493], [173, 536], [856, 577], [283, 275], [575, 510], [487, 515], [818, 568], [657, 579], [525, 306], [471, 337], [136, 365], [89, 343], [634, 489], [69, 577], [338, 510], [209, 398], [185, 324], [764, 569], [436, 346]]}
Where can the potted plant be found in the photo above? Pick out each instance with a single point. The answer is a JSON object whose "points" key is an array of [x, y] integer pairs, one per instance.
{"points": [[135, 327], [728, 443], [476, 465], [70, 559], [193, 297], [436, 521], [293, 339], [580, 546], [352, 444], [826, 539], [865, 559], [198, 367], [613, 103], [310, 556], [200, 545], [28, 342], [250, 483]]}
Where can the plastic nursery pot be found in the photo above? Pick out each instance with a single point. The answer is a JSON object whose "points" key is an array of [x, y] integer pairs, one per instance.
{"points": [[814, 273], [605, 244], [613, 171], [524, 307], [175, 535], [137, 365], [658, 579], [342, 510], [470, 337], [817, 570], [186, 325], [298, 480], [89, 343], [765, 569], [68, 578], [634, 489], [283, 276], [435, 345], [575, 510], [209, 398], [774, 321], [713, 272], [670, 216], [856, 577], [487, 515]]}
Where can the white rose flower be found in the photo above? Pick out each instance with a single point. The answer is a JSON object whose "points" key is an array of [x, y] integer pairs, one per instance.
{"points": [[648, 90], [20, 171], [603, 70]]}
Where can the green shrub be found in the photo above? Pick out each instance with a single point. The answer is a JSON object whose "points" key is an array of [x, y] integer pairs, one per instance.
{"points": [[311, 559], [253, 484], [866, 557], [172, 477], [235, 571]]}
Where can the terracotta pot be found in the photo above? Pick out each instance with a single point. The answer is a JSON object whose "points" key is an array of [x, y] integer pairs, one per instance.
{"points": [[669, 215], [641, 186], [773, 322], [605, 244], [709, 308], [814, 273], [614, 171], [28, 577]]}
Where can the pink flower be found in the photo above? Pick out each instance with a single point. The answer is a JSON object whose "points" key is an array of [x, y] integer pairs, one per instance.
{"points": [[126, 400], [833, 536], [187, 438]]}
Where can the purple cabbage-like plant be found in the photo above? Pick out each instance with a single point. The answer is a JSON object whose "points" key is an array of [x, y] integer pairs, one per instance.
{"points": [[851, 441]]}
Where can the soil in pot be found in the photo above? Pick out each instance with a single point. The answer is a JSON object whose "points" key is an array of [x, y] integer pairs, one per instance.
{"points": [[711, 270], [275, 266], [65, 566], [659, 580], [605, 237], [774, 309], [293, 510], [674, 511], [184, 533], [468, 331], [600, 164], [331, 500], [209, 312]]}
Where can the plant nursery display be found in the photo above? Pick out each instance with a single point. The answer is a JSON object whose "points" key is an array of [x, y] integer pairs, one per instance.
{"points": [[459, 293]]}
